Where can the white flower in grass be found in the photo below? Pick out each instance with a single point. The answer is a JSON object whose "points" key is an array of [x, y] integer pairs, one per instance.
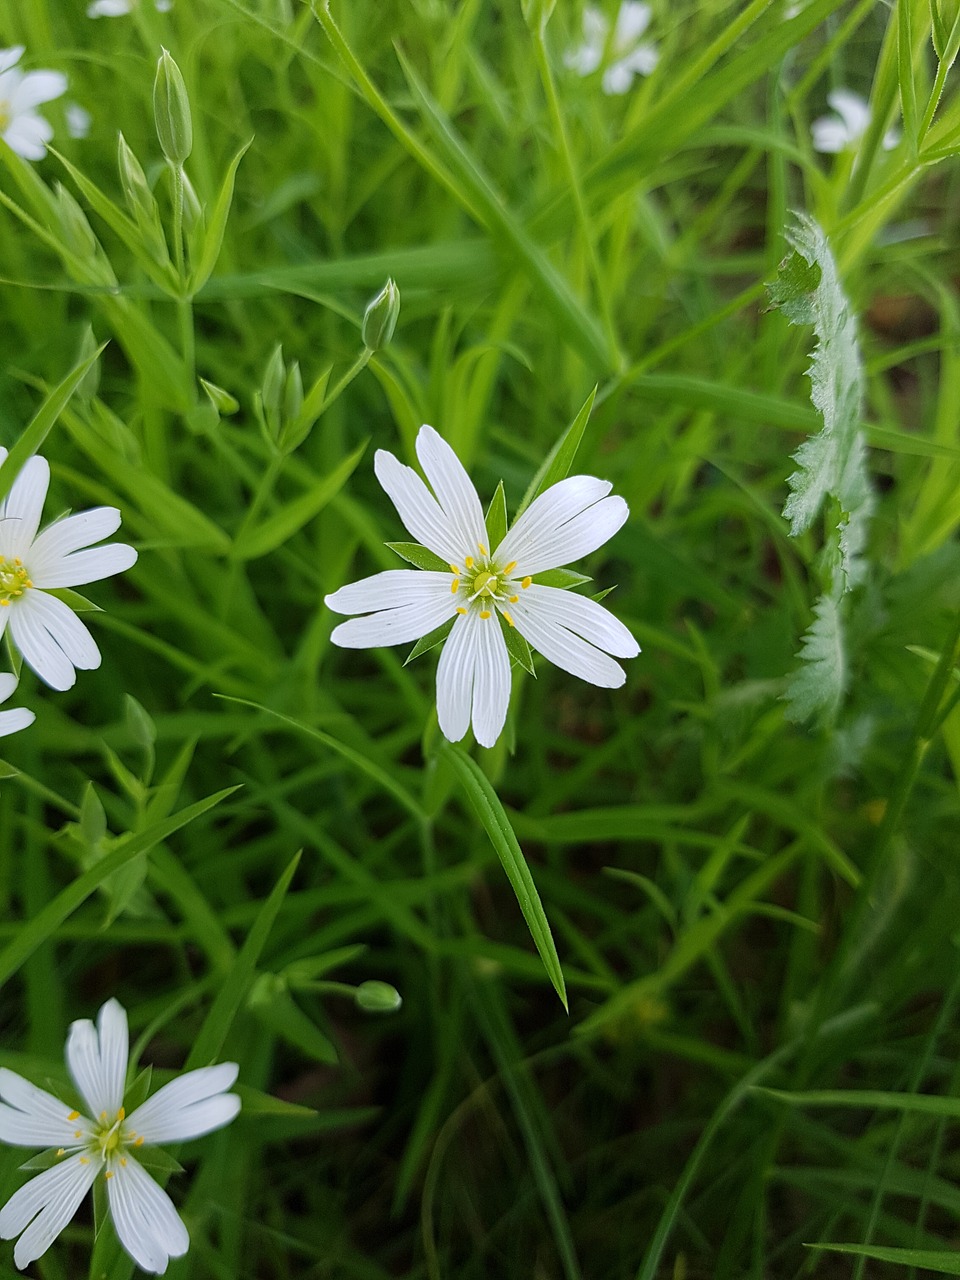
{"points": [[832, 134], [78, 120], [119, 8], [19, 717], [104, 1143], [567, 521], [21, 127], [629, 56], [49, 635]]}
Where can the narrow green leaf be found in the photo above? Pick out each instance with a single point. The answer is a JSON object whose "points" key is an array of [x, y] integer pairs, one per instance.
{"points": [[562, 578], [497, 517], [495, 822], [908, 88], [213, 237], [43, 420], [431, 640], [77, 602], [420, 556], [43, 925], [945, 1263], [233, 992], [556, 466], [292, 516], [275, 1007], [871, 1099]]}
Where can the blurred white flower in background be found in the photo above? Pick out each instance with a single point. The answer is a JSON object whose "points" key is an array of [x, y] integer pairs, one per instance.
{"points": [[628, 56], [22, 128], [482, 585], [119, 8], [17, 718], [78, 120], [46, 631], [832, 134], [84, 1148]]}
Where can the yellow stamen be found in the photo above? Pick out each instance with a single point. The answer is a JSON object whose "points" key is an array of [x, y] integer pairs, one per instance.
{"points": [[510, 621], [514, 599], [107, 1176], [73, 1115], [461, 609], [484, 613], [5, 603], [78, 1134], [454, 586], [139, 1142], [60, 1152], [483, 549], [123, 1161], [508, 568], [526, 583], [469, 562], [103, 1116], [121, 1114], [84, 1160], [454, 568]]}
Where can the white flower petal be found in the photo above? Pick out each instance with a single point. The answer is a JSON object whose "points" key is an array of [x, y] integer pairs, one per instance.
{"points": [[191, 1105], [454, 489], [390, 590], [551, 509], [491, 686], [829, 135], [44, 1206], [852, 109], [419, 510], [618, 78], [35, 88], [71, 534], [395, 626], [15, 720], [8, 682], [584, 617], [31, 1117], [455, 675], [642, 61], [554, 537], [109, 8], [21, 509], [28, 135], [79, 120], [632, 21], [97, 1058], [584, 59], [52, 639], [9, 58], [564, 649], [84, 566], [147, 1224]]}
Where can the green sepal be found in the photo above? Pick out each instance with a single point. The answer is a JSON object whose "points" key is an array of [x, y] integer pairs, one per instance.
{"points": [[602, 595], [42, 1160], [431, 640], [77, 602], [101, 1208], [139, 1091], [16, 659], [517, 647], [497, 518], [159, 1160], [562, 578], [420, 556]]}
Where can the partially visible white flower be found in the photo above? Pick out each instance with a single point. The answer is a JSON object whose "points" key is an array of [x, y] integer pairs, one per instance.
{"points": [[118, 8], [78, 120], [629, 56], [21, 127], [832, 134], [47, 632], [19, 717], [567, 521], [147, 1224]]}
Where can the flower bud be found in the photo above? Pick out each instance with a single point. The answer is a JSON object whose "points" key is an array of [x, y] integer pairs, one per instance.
{"points": [[171, 111], [222, 401], [380, 317], [77, 233], [378, 997], [293, 393], [136, 189]]}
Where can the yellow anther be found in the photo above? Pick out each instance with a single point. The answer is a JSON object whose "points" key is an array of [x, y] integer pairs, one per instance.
{"points": [[78, 1134], [17, 561], [514, 599], [103, 1117], [74, 1115], [508, 568], [84, 1160], [121, 1113], [60, 1152], [510, 621], [107, 1177], [454, 568], [483, 549], [123, 1162], [461, 610], [469, 562], [139, 1142], [454, 586], [526, 583], [5, 603], [484, 613]]}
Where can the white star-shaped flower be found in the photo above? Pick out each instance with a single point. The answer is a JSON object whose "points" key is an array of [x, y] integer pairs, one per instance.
{"points": [[567, 521], [49, 635], [17, 718], [629, 56], [85, 1148], [832, 134], [119, 8], [21, 127]]}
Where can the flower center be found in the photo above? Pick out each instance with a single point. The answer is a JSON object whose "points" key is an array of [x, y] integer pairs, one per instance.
{"points": [[14, 579], [483, 583], [5, 115]]}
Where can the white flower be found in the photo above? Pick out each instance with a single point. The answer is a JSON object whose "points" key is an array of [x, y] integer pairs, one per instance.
{"points": [[147, 1224], [832, 134], [118, 8], [19, 717], [21, 128], [78, 120], [629, 57], [568, 520], [47, 632]]}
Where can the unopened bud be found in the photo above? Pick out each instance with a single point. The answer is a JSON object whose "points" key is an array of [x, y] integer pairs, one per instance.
{"points": [[378, 997], [171, 111], [380, 317], [222, 401], [293, 393], [136, 189], [77, 232]]}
